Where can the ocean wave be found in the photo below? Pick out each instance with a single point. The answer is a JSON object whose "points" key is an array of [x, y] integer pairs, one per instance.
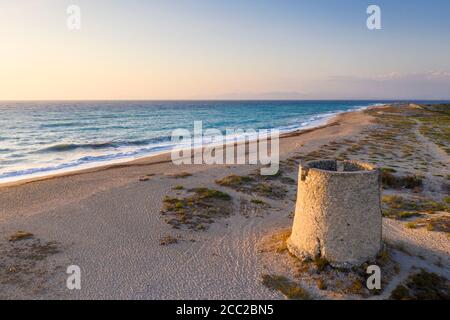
{"points": [[64, 147], [90, 161], [119, 150], [61, 125]]}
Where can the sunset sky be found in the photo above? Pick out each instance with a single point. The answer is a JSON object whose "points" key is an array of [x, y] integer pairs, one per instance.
{"points": [[211, 49]]}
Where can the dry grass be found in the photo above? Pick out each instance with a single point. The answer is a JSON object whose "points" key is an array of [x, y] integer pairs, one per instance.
{"points": [[234, 181], [435, 124], [391, 181], [439, 224], [258, 202], [146, 177], [181, 175], [20, 235], [400, 208], [423, 286], [197, 210], [24, 262], [278, 240], [320, 263], [264, 186], [288, 288], [355, 287], [436, 224], [321, 284], [168, 240]]}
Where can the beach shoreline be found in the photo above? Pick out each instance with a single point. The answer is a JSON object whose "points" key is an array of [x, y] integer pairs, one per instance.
{"points": [[113, 221], [164, 156]]}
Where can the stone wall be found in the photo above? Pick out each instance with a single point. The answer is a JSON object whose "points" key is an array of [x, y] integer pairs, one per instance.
{"points": [[338, 213]]}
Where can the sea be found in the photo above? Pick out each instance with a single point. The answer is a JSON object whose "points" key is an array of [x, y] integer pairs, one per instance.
{"points": [[43, 138]]}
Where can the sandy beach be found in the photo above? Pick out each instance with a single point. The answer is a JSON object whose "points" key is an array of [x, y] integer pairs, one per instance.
{"points": [[115, 221]]}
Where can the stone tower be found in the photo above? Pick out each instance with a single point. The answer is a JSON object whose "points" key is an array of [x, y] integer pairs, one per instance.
{"points": [[338, 213]]}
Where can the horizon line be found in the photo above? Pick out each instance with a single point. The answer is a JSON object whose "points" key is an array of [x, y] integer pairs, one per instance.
{"points": [[250, 99]]}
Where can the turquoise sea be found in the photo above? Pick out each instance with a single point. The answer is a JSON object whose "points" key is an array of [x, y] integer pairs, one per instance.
{"points": [[39, 138]]}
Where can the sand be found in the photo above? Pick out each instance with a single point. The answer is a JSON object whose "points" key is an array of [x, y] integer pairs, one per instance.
{"points": [[108, 221]]}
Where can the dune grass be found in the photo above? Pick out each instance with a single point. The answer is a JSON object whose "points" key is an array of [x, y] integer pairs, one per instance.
{"points": [[291, 290], [423, 285], [198, 209]]}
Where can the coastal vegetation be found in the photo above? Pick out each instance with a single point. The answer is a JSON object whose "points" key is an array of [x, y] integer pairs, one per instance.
{"points": [[288, 288], [409, 145], [272, 187], [197, 209], [422, 285], [24, 262]]}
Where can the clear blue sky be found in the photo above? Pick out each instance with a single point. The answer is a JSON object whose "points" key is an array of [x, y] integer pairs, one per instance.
{"points": [[182, 49]]}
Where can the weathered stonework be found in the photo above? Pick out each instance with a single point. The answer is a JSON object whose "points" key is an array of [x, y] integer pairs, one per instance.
{"points": [[338, 213]]}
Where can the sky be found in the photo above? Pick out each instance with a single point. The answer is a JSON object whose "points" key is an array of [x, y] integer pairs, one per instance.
{"points": [[215, 49]]}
